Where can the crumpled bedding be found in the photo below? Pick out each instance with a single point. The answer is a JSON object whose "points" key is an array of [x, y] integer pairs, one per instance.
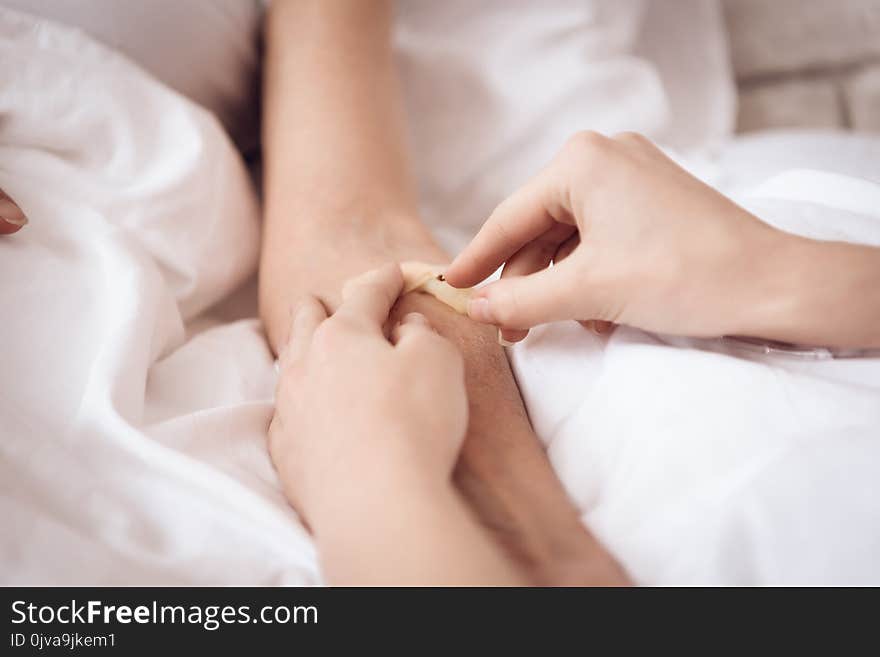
{"points": [[133, 425], [134, 407]]}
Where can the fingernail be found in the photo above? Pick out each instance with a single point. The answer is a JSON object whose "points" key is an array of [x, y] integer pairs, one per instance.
{"points": [[502, 341], [602, 327], [11, 213], [478, 310]]}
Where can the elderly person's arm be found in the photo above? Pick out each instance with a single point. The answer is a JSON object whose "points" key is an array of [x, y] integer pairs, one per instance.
{"points": [[340, 199]]}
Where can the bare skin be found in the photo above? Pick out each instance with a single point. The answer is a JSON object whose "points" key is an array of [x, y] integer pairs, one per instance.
{"points": [[379, 475], [339, 200], [637, 240]]}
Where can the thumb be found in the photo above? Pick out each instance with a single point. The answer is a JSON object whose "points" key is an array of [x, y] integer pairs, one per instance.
{"points": [[521, 302]]}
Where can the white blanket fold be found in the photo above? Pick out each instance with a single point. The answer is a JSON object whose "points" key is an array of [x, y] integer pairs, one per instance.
{"points": [[129, 453]]}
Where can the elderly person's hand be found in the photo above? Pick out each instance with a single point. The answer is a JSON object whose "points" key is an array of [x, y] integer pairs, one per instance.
{"points": [[11, 217]]}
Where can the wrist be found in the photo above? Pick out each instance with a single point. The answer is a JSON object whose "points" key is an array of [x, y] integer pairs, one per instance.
{"points": [[770, 283], [819, 293], [396, 485], [774, 289]]}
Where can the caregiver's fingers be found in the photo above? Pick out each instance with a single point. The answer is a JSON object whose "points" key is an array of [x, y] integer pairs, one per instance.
{"points": [[522, 217], [412, 325], [522, 302], [367, 299], [539, 253], [307, 317], [11, 217], [533, 257], [597, 326]]}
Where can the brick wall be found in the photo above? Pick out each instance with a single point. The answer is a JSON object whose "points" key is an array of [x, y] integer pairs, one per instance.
{"points": [[806, 63]]}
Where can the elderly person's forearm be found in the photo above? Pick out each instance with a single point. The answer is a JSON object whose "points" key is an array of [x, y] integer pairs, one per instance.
{"points": [[336, 170]]}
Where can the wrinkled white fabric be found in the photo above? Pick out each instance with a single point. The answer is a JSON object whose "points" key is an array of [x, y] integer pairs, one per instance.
{"points": [[133, 413], [208, 50], [493, 93], [132, 451]]}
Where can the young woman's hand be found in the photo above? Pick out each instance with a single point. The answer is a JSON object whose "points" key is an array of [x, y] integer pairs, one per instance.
{"points": [[11, 217], [634, 239], [354, 407]]}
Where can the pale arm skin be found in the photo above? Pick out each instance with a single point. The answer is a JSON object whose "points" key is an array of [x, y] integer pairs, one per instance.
{"points": [[815, 293], [637, 240], [409, 531], [339, 200]]}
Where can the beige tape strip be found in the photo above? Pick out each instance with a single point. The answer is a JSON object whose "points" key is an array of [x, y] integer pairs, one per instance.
{"points": [[423, 277]]}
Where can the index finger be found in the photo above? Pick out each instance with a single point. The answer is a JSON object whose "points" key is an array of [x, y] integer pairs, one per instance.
{"points": [[368, 299], [524, 216]]}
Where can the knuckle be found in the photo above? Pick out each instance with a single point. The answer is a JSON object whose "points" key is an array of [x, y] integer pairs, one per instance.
{"points": [[436, 345], [426, 341], [632, 138], [328, 334], [587, 153], [366, 289], [377, 282], [392, 275], [586, 142]]}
